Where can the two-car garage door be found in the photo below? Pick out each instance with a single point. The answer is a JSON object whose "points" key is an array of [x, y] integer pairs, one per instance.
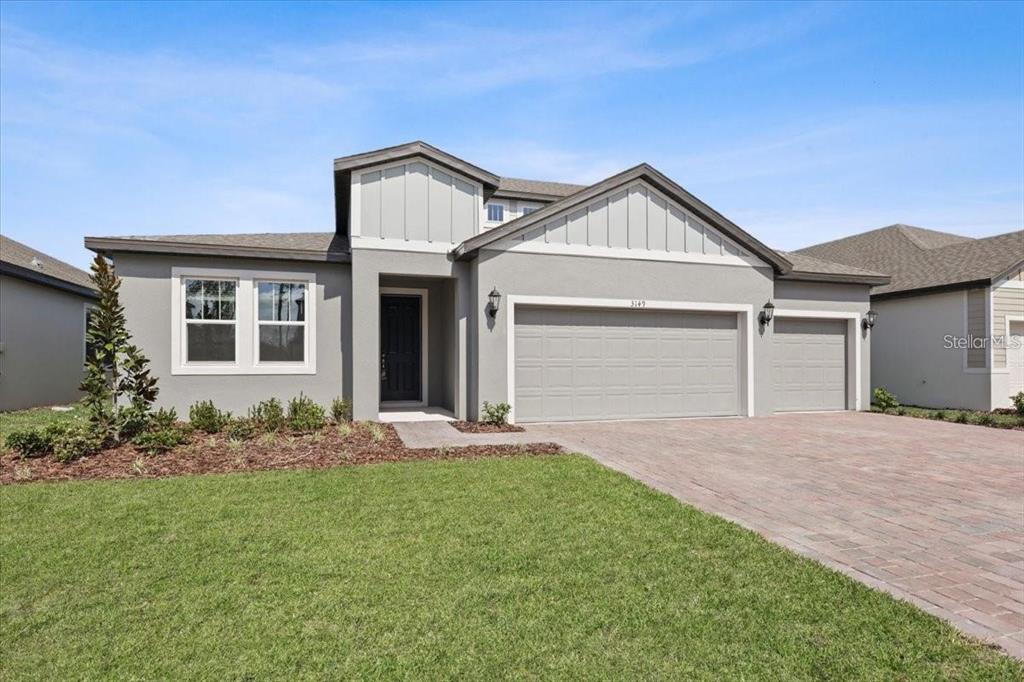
{"points": [[573, 364]]}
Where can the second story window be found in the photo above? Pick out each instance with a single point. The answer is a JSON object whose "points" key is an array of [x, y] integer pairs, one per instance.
{"points": [[527, 210], [495, 213]]}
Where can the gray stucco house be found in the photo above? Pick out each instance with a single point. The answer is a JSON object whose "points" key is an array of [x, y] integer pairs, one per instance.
{"points": [[444, 285], [951, 320], [44, 305]]}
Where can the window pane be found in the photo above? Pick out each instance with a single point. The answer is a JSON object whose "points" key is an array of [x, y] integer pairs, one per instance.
{"points": [[193, 299], [495, 212], [209, 299], [282, 302], [210, 342], [227, 300], [282, 343]]}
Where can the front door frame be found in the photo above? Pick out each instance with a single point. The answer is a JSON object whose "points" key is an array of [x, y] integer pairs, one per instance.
{"points": [[424, 295]]}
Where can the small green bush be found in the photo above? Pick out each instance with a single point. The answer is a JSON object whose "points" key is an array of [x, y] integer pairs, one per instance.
{"points": [[28, 442], [241, 429], [885, 401], [901, 411], [939, 414], [496, 413], [162, 419], [341, 410], [1018, 402], [268, 415], [984, 419], [305, 415], [77, 441], [160, 440], [961, 418], [206, 417]]}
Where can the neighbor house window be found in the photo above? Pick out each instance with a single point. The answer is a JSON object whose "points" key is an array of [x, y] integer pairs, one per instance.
{"points": [[281, 322], [527, 210], [210, 320], [237, 321], [495, 213]]}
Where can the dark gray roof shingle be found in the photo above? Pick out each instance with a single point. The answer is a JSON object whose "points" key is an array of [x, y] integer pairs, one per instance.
{"points": [[25, 258], [538, 187], [917, 258], [317, 246], [805, 266]]}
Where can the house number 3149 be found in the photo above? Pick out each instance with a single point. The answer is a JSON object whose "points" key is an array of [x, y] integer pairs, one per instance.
{"points": [[638, 304]]}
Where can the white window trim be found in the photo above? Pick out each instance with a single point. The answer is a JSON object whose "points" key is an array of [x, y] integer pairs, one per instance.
{"points": [[245, 310], [256, 322], [745, 327], [424, 296], [853, 327]]}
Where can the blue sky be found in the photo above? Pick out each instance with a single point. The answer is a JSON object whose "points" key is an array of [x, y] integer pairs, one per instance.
{"points": [[801, 122]]}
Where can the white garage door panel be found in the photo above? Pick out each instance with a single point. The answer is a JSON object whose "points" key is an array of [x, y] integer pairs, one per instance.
{"points": [[615, 364], [809, 367]]}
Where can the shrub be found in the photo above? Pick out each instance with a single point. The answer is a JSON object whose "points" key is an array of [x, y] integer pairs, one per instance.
{"points": [[1018, 402], [28, 442], [496, 413], [268, 415], [160, 440], [901, 411], [939, 414], [961, 418], [341, 410], [984, 419], [206, 417], [884, 400], [77, 441], [305, 415], [241, 429], [162, 419]]}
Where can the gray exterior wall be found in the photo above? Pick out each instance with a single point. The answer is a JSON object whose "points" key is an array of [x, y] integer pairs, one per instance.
{"points": [[910, 358], [42, 330], [146, 296]]}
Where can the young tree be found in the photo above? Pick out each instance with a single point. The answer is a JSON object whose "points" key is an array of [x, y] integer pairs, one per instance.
{"points": [[119, 389]]}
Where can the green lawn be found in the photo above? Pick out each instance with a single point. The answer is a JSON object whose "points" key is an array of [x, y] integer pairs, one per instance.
{"points": [[525, 567], [35, 418]]}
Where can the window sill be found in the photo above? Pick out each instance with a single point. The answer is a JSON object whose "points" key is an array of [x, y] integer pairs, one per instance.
{"points": [[242, 371]]}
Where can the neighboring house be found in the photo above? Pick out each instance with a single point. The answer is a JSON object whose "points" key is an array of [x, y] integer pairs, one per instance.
{"points": [[951, 322], [43, 308], [628, 298]]}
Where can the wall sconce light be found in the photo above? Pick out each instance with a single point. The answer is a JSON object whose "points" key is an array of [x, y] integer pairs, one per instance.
{"points": [[767, 313], [870, 317], [494, 302]]}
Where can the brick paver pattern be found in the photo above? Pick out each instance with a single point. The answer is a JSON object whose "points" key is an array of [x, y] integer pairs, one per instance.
{"points": [[931, 512]]}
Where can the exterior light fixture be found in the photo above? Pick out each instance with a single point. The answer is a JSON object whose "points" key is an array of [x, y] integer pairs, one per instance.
{"points": [[494, 302], [870, 317], [767, 313]]}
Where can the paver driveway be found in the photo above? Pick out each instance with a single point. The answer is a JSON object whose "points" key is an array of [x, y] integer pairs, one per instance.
{"points": [[931, 512]]}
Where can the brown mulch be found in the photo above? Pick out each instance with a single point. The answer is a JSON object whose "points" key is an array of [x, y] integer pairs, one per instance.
{"points": [[207, 454], [485, 427]]}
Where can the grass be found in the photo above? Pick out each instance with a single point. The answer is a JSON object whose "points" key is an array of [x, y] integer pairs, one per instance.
{"points": [[993, 419], [35, 418], [491, 569]]}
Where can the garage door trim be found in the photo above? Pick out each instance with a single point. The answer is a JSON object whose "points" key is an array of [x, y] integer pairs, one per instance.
{"points": [[745, 327], [852, 349]]}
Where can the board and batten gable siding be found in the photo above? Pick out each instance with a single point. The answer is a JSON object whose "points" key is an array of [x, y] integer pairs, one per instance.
{"points": [[1007, 302], [637, 219], [417, 202], [977, 302]]}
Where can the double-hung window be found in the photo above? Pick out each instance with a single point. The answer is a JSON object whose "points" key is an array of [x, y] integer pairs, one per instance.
{"points": [[281, 322], [495, 213], [237, 321], [211, 326]]}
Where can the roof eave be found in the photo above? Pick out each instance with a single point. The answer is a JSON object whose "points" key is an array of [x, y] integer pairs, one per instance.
{"points": [[936, 289], [534, 196], [46, 280], [105, 245], [413, 149], [834, 277]]}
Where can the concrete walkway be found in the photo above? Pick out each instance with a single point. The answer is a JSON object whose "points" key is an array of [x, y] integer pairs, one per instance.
{"points": [[931, 512]]}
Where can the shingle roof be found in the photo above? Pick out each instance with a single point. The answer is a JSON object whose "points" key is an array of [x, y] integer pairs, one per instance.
{"points": [[917, 258], [513, 186], [41, 267], [316, 246], [806, 267]]}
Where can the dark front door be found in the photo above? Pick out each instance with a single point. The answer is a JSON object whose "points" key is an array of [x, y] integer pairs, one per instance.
{"points": [[400, 343]]}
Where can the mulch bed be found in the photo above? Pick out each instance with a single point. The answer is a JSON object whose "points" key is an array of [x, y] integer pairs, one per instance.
{"points": [[207, 454], [484, 427]]}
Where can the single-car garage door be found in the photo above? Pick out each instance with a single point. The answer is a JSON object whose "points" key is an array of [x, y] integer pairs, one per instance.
{"points": [[809, 367], [623, 364]]}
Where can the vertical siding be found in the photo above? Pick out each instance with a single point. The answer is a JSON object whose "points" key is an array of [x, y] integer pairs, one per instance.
{"points": [[1006, 302], [976, 304], [637, 218], [415, 202]]}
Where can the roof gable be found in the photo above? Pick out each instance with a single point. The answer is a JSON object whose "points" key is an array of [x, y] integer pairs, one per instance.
{"points": [[664, 191]]}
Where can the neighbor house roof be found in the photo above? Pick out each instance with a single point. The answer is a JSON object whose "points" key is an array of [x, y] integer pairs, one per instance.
{"points": [[21, 260], [312, 246], [918, 259], [815, 269], [648, 173]]}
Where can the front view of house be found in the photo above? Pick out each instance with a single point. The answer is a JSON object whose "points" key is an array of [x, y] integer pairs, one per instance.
{"points": [[444, 285]]}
